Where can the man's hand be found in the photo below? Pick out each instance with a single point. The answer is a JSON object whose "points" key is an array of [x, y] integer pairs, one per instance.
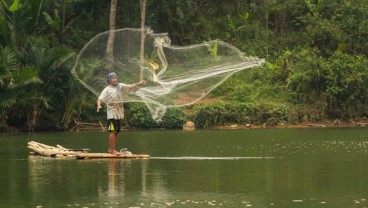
{"points": [[99, 103], [136, 84]]}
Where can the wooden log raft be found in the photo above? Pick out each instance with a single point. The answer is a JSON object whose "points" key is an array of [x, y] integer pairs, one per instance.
{"points": [[59, 151], [51, 151]]}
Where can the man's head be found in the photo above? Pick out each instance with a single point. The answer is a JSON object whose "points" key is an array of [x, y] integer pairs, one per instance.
{"points": [[111, 76]]}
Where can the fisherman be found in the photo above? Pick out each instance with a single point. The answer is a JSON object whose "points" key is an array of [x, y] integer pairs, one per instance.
{"points": [[112, 97]]}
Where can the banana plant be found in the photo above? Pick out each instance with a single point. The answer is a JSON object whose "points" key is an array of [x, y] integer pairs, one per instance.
{"points": [[243, 16]]}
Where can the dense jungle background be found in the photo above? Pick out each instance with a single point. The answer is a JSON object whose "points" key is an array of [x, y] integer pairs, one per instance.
{"points": [[316, 52]]}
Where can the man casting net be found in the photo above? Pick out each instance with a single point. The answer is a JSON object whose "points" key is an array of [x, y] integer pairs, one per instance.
{"points": [[175, 76]]}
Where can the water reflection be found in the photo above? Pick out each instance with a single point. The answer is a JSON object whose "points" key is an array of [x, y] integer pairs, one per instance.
{"points": [[194, 181], [113, 187], [119, 172], [109, 181], [268, 168]]}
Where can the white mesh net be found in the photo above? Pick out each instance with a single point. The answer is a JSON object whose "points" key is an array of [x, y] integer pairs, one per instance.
{"points": [[175, 76]]}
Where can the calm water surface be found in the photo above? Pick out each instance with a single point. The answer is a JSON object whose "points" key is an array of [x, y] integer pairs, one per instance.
{"points": [[214, 168]]}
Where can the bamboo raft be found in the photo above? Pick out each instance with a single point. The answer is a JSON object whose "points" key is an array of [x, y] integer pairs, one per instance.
{"points": [[59, 151]]}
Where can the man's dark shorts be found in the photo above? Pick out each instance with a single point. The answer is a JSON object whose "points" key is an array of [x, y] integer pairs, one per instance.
{"points": [[113, 125]]}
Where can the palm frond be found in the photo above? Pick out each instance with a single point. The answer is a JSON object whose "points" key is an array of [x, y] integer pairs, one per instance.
{"points": [[27, 76], [8, 60], [6, 100], [18, 20]]}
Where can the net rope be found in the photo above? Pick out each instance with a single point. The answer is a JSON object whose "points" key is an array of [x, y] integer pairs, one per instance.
{"points": [[175, 76]]}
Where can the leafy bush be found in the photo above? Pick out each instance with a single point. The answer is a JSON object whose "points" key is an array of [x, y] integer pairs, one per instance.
{"points": [[210, 115], [220, 113], [174, 118], [306, 76], [347, 86], [270, 114], [138, 116]]}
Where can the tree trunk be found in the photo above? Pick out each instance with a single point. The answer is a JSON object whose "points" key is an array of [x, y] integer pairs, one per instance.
{"points": [[141, 56], [110, 42], [68, 104], [33, 117]]}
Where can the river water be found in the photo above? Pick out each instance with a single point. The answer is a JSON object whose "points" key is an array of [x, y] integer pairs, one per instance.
{"points": [[206, 168]]}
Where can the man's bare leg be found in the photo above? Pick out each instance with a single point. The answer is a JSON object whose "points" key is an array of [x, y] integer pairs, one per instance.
{"points": [[112, 142]]}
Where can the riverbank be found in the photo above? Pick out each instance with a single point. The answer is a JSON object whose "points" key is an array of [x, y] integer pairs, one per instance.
{"points": [[85, 127], [323, 124]]}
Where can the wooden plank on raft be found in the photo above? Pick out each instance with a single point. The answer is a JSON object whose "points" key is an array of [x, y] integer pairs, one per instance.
{"points": [[108, 155]]}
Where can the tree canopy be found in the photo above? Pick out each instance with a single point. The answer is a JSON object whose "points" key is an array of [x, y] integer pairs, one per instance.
{"points": [[316, 52]]}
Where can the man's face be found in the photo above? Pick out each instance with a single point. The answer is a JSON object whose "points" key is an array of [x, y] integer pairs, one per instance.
{"points": [[114, 81]]}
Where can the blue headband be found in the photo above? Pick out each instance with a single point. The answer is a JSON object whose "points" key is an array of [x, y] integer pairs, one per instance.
{"points": [[110, 76]]}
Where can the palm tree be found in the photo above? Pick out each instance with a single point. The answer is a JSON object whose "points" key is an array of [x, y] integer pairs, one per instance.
{"points": [[52, 65], [14, 79], [39, 77], [18, 20]]}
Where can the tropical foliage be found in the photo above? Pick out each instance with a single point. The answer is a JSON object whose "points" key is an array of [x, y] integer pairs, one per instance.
{"points": [[316, 52]]}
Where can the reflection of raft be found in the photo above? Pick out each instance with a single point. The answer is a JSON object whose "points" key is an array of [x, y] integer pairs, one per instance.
{"points": [[62, 152]]}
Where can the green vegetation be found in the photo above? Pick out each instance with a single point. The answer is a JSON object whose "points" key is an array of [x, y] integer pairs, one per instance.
{"points": [[138, 116], [316, 52]]}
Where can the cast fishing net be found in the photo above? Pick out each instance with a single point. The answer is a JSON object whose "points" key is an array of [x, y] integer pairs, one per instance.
{"points": [[175, 76]]}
